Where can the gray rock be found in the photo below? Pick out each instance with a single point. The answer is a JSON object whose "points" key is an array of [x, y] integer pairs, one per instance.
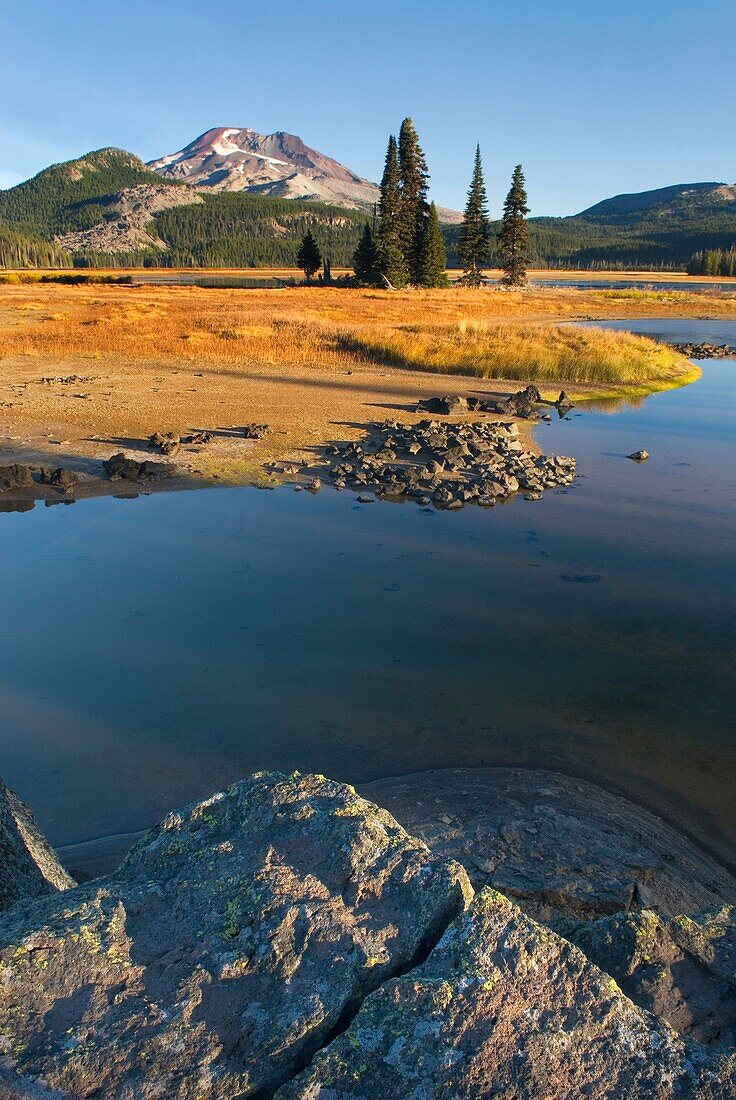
{"points": [[230, 944], [504, 1007], [639, 456], [28, 866]]}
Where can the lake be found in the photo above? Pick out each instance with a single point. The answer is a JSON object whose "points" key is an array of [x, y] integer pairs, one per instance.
{"points": [[156, 649]]}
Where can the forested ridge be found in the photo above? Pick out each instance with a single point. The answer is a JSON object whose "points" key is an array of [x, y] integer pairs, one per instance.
{"points": [[688, 226]]}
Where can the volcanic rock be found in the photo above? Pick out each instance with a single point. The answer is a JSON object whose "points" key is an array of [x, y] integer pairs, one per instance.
{"points": [[232, 942], [28, 865]]}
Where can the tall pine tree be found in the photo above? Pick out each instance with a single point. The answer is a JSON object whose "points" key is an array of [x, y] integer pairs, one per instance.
{"points": [[513, 238], [365, 260], [308, 257], [414, 208], [392, 265], [473, 244], [432, 257]]}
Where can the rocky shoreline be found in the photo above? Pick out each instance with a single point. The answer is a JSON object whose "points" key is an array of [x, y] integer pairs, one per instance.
{"points": [[288, 937], [445, 463], [706, 350]]}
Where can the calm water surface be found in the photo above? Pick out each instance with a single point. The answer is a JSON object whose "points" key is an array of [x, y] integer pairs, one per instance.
{"points": [[155, 649]]}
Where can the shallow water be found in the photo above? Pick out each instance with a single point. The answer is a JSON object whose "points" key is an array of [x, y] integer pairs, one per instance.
{"points": [[156, 649]]}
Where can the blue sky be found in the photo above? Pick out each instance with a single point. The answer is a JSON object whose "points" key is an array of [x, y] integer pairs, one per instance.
{"points": [[593, 98]]}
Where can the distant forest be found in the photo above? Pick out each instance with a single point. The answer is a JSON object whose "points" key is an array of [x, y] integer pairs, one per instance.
{"points": [[680, 228]]}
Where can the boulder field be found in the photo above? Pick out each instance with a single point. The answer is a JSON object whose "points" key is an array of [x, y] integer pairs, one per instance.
{"points": [[289, 938]]}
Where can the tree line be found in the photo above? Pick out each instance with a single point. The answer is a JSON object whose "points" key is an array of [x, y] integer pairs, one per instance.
{"points": [[713, 261], [405, 245]]}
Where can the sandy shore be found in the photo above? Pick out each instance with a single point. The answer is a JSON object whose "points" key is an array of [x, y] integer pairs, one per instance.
{"points": [[88, 371]]}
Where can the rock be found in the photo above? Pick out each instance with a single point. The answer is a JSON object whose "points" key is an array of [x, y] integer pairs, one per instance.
{"points": [[453, 403], [232, 942], [706, 350], [314, 485], [198, 439], [521, 403], [59, 477], [256, 431], [669, 967], [15, 476], [563, 401], [560, 846], [28, 866], [166, 442], [639, 456], [365, 499], [505, 1008], [119, 467]]}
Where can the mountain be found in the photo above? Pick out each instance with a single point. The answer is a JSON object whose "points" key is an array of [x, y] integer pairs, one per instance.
{"points": [[649, 229], [280, 165], [71, 196], [229, 200], [683, 200]]}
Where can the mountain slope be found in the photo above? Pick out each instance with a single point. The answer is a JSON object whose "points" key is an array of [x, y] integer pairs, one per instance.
{"points": [[280, 164], [71, 196], [685, 200]]}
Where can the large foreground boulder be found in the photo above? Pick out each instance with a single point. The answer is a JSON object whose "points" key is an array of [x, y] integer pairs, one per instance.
{"points": [[28, 865], [503, 1007], [231, 944]]}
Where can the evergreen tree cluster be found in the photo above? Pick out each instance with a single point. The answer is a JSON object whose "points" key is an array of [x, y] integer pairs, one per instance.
{"points": [[713, 261], [407, 247]]}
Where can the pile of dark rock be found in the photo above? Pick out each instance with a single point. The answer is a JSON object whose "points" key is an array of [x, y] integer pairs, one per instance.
{"points": [[448, 465], [707, 350], [522, 404], [20, 476], [168, 443], [121, 468]]}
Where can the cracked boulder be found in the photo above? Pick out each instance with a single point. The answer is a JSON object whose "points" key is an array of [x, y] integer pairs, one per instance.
{"points": [[232, 943], [28, 866], [503, 1007]]}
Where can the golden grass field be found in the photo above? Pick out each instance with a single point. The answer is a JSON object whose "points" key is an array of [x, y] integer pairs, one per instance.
{"points": [[316, 363]]}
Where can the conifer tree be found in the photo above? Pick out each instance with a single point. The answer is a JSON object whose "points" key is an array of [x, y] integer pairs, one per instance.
{"points": [[414, 207], [365, 259], [433, 259], [308, 257], [390, 255], [513, 238], [473, 244]]}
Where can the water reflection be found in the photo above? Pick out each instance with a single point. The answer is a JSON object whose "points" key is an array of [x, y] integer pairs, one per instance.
{"points": [[153, 653]]}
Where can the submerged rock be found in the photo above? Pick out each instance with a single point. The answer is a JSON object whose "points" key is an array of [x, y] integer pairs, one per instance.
{"points": [[504, 1007], [226, 949], [558, 845], [28, 866]]}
